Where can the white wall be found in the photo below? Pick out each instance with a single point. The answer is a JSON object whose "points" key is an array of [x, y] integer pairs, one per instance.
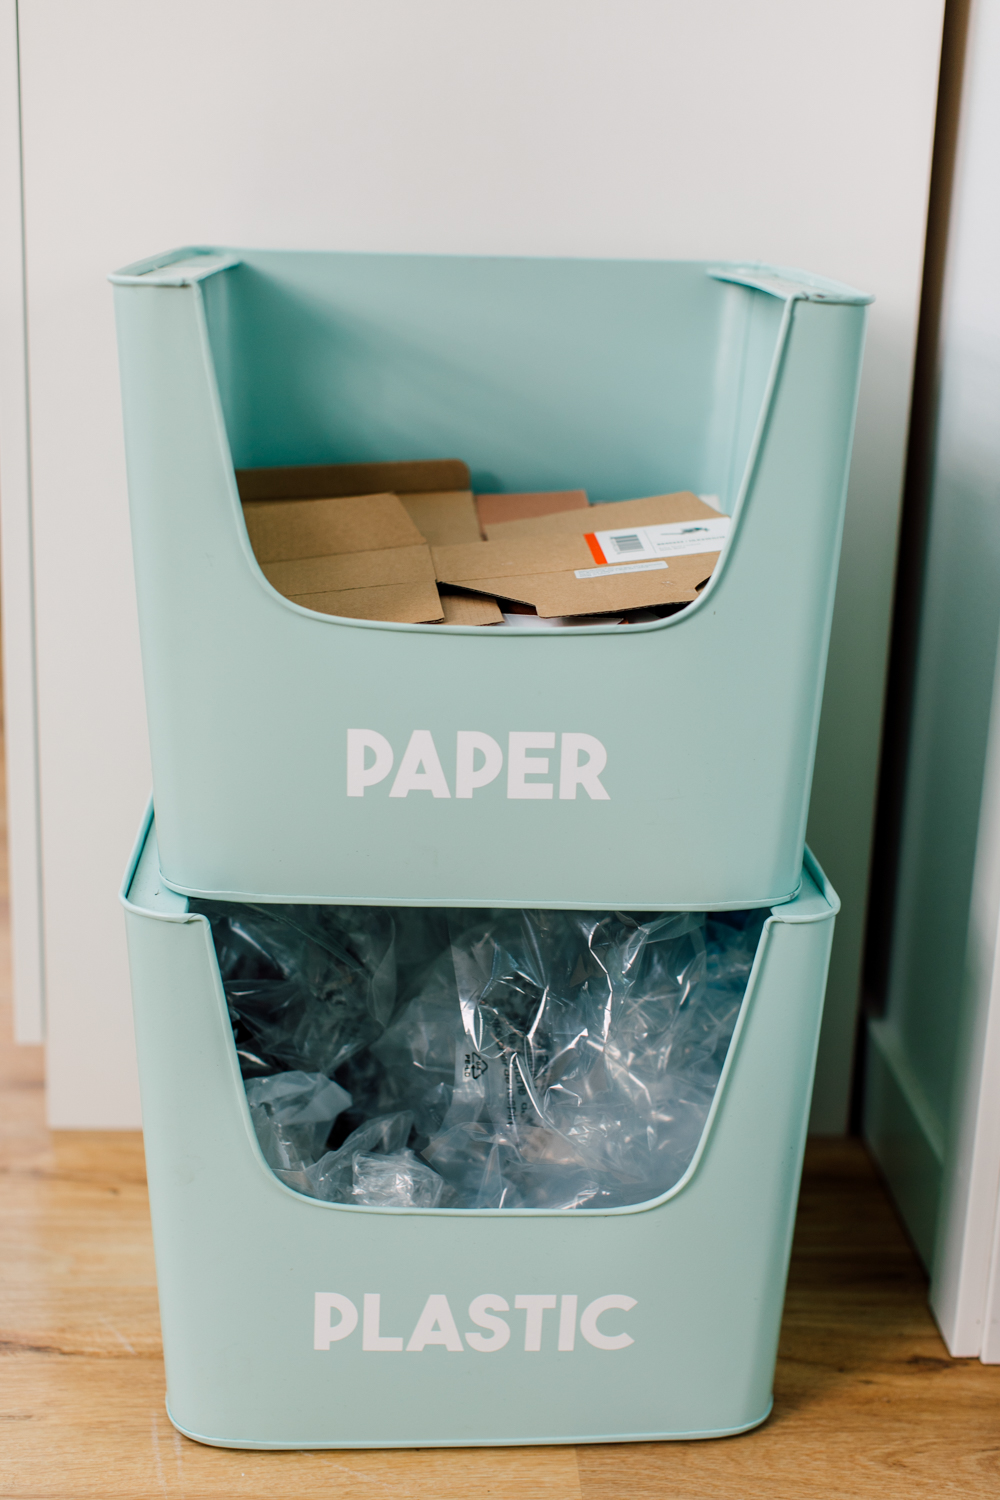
{"points": [[777, 131]]}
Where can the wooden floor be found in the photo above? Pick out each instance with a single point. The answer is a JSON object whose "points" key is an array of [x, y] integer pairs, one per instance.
{"points": [[867, 1402]]}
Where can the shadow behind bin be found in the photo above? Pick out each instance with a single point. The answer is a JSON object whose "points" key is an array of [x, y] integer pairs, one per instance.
{"points": [[674, 1328], [626, 377]]}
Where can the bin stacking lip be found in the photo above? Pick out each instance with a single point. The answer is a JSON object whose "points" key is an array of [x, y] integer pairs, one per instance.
{"points": [[655, 1321], [625, 377]]}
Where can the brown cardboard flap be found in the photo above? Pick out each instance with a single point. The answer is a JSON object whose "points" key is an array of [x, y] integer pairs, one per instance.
{"points": [[469, 609], [322, 481], [652, 510], [494, 509], [509, 559], [402, 603], [282, 529], [542, 571], [444, 517], [564, 594], [357, 555], [350, 570]]}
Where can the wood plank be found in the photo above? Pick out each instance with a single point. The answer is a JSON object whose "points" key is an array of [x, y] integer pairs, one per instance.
{"points": [[93, 1426], [867, 1401]]}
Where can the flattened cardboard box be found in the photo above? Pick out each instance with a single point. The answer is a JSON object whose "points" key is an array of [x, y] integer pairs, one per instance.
{"points": [[337, 481], [433, 492], [358, 556], [547, 577], [550, 563]]}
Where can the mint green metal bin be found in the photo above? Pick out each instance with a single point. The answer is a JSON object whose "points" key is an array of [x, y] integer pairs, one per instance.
{"points": [[289, 1323], [627, 377]]}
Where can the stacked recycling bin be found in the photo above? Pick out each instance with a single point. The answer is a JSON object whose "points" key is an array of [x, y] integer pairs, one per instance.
{"points": [[652, 1312]]}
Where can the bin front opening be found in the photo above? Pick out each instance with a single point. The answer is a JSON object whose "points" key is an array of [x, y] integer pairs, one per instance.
{"points": [[625, 378], [419, 1058]]}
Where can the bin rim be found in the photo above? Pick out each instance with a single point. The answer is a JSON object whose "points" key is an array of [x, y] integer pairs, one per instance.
{"points": [[782, 909], [188, 264]]}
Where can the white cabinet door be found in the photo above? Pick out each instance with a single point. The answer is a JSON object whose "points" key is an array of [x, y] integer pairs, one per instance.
{"points": [[933, 1086], [965, 1289]]}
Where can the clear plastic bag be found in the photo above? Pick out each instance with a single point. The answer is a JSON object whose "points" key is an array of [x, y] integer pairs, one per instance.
{"points": [[493, 1059], [308, 986], [293, 1114]]}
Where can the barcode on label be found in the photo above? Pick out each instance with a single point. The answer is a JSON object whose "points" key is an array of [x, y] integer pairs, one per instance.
{"points": [[671, 539]]}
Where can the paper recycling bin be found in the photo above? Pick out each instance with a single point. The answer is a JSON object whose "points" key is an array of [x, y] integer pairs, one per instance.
{"points": [[628, 378]]}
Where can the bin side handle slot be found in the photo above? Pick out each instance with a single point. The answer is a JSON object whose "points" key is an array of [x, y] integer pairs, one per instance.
{"points": [[182, 267], [779, 281]]}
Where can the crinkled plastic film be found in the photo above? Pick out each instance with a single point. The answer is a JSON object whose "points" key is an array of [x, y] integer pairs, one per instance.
{"points": [[410, 1057]]}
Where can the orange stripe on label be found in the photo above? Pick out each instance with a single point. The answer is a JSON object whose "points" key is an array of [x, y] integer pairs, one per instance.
{"points": [[595, 548]]}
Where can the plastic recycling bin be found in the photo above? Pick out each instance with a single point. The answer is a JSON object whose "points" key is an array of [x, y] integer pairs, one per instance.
{"points": [[291, 1323]]}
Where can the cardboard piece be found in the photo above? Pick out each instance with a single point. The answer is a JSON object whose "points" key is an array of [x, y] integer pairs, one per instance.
{"points": [[434, 494], [359, 556], [500, 508], [284, 529], [549, 562], [395, 584], [448, 518], [444, 518], [536, 621], [546, 576], [652, 510], [469, 609], [336, 481]]}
